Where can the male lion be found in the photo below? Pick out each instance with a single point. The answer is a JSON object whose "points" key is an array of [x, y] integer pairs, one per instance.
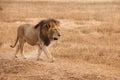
{"points": [[41, 34]]}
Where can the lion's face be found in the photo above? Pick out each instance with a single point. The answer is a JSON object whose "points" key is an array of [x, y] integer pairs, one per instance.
{"points": [[49, 30], [54, 33]]}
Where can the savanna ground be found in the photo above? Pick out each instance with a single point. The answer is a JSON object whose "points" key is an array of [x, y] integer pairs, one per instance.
{"points": [[89, 48]]}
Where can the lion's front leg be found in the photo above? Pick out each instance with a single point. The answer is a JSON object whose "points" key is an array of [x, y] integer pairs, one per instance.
{"points": [[48, 48], [47, 53], [39, 53]]}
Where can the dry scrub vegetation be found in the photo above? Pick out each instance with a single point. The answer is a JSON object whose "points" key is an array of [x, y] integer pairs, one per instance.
{"points": [[89, 48]]}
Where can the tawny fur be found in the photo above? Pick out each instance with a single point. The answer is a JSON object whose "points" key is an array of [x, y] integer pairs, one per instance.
{"points": [[41, 34]]}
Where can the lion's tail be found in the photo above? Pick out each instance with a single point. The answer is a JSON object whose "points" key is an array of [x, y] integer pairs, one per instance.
{"points": [[12, 46]]}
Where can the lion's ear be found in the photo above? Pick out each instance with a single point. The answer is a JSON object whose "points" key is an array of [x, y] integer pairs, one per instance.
{"points": [[47, 26]]}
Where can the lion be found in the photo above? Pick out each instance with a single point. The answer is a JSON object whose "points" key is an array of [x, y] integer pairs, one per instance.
{"points": [[42, 34]]}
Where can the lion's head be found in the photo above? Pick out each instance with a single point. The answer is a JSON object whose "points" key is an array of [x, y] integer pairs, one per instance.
{"points": [[49, 30]]}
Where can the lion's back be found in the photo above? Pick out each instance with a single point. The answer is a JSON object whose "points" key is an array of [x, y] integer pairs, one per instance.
{"points": [[22, 29]]}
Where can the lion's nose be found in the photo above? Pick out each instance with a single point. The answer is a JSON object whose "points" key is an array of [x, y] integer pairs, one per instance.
{"points": [[59, 35]]}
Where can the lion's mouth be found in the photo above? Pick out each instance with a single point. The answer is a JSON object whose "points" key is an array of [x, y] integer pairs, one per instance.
{"points": [[55, 38]]}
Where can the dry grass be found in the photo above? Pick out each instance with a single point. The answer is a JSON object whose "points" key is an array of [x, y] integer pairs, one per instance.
{"points": [[94, 38]]}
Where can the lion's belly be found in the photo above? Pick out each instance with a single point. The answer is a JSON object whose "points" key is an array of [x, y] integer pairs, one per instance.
{"points": [[31, 41], [31, 36]]}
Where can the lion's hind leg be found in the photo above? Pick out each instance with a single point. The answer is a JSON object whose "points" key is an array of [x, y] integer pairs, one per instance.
{"points": [[21, 45], [17, 50]]}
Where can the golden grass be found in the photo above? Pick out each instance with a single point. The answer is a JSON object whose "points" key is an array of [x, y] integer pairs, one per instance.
{"points": [[98, 44]]}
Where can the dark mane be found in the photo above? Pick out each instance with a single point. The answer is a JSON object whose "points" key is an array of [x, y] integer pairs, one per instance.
{"points": [[47, 21], [44, 36], [43, 29], [52, 20], [41, 23]]}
